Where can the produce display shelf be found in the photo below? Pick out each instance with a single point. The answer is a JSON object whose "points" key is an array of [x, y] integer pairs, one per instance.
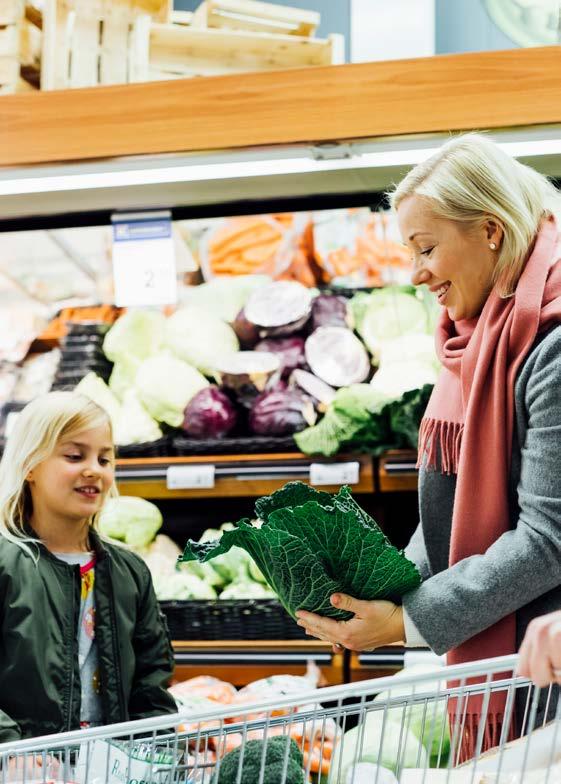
{"points": [[241, 662], [221, 476], [375, 664], [397, 471]]}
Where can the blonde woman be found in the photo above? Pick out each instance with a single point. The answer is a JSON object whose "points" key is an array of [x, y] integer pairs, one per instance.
{"points": [[82, 642], [482, 230]]}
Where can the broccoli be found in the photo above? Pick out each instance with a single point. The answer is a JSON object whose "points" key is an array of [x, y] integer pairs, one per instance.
{"points": [[273, 763]]}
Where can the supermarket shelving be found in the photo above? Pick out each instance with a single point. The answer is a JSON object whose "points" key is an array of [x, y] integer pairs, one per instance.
{"points": [[235, 475], [240, 663]]}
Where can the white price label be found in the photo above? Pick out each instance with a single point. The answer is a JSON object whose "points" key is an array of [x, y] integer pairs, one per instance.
{"points": [[335, 473], [144, 269], [190, 477]]}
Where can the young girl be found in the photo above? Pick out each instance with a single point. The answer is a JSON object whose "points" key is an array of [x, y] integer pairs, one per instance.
{"points": [[82, 640]]}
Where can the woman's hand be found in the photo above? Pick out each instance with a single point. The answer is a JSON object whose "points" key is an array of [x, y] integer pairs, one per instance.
{"points": [[374, 624], [540, 652]]}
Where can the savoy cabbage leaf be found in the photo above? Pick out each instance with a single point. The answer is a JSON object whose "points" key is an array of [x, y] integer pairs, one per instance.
{"points": [[311, 545]]}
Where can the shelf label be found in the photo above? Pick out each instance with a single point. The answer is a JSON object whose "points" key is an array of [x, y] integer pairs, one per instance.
{"points": [[335, 473], [190, 477], [144, 269]]}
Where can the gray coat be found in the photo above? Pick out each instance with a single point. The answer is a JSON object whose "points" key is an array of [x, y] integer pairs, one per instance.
{"points": [[521, 571]]}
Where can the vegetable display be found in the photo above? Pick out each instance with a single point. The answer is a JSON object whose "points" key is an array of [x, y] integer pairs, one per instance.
{"points": [[306, 359], [312, 544]]}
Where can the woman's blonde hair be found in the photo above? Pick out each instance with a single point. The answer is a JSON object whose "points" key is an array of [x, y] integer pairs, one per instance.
{"points": [[471, 180], [38, 429]]}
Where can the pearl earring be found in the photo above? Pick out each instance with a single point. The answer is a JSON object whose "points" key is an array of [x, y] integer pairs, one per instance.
{"points": [[492, 246]]}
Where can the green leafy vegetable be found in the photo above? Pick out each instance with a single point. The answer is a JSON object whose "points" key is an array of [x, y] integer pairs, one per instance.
{"points": [[311, 545], [375, 427]]}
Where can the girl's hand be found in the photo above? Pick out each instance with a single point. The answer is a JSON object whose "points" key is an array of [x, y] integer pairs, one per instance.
{"points": [[540, 652], [374, 624]]}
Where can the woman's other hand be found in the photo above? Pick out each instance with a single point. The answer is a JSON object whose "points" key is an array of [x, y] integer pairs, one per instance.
{"points": [[375, 624], [540, 652]]}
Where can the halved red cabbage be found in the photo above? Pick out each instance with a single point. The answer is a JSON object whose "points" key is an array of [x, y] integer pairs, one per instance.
{"points": [[289, 350], [320, 392], [279, 308], [337, 356], [248, 373], [281, 412], [210, 414]]}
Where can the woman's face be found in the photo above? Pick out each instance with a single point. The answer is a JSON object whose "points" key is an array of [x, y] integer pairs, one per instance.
{"points": [[73, 482], [455, 262]]}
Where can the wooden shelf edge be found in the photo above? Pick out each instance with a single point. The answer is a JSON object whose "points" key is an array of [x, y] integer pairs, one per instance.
{"points": [[425, 95]]}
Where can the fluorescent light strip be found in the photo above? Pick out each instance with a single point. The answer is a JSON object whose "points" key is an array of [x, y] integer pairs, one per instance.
{"points": [[244, 169]]}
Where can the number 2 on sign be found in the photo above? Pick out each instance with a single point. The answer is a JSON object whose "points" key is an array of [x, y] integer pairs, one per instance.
{"points": [[149, 278]]}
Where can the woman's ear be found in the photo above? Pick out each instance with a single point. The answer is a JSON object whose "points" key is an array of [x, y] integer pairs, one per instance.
{"points": [[493, 233]]}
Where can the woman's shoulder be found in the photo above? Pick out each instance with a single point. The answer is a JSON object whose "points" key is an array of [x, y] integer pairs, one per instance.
{"points": [[546, 352], [540, 374]]}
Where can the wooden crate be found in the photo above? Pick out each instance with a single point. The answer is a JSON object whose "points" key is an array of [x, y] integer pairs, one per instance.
{"points": [[91, 42], [11, 15], [178, 51], [256, 17]]}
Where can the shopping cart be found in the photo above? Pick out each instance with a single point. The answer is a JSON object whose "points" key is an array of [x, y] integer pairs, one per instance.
{"points": [[371, 732]]}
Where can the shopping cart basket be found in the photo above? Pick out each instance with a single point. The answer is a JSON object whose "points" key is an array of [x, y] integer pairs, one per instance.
{"points": [[371, 732]]}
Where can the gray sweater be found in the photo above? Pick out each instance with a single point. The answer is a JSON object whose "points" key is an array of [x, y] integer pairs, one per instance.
{"points": [[521, 571]]}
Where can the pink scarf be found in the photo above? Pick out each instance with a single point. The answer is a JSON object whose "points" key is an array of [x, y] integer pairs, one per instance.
{"points": [[470, 420]]}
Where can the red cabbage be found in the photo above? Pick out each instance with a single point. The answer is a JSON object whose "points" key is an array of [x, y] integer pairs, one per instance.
{"points": [[247, 333], [279, 308], [281, 412], [329, 310], [210, 414], [289, 350], [337, 356], [320, 392]]}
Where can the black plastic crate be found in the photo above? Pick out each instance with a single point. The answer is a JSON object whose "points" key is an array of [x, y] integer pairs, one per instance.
{"points": [[161, 447], [243, 445], [230, 619]]}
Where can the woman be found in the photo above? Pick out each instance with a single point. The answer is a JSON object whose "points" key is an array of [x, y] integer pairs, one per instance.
{"points": [[481, 227]]}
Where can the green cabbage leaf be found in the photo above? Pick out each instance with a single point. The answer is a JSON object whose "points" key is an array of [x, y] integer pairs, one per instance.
{"points": [[312, 544]]}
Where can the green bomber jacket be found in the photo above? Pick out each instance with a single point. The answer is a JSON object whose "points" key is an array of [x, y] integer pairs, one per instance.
{"points": [[40, 689]]}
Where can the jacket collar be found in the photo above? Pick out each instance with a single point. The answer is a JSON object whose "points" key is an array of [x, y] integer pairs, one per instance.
{"points": [[97, 545]]}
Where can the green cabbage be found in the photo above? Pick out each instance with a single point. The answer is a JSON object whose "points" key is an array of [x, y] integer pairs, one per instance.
{"points": [[386, 314], [427, 721], [247, 590], [131, 520], [312, 545], [96, 389], [394, 749], [123, 375], [135, 425], [181, 585], [223, 298], [165, 385], [199, 338], [138, 333]]}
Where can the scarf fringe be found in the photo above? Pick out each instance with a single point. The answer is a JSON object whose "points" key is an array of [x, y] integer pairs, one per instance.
{"points": [[438, 438], [466, 748]]}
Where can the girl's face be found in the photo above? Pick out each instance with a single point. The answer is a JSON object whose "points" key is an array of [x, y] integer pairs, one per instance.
{"points": [[73, 482], [455, 262]]}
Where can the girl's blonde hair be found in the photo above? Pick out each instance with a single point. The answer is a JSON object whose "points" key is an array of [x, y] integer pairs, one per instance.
{"points": [[471, 180], [38, 429]]}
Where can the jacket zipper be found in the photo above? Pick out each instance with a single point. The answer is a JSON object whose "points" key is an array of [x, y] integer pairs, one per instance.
{"points": [[71, 647], [116, 658]]}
